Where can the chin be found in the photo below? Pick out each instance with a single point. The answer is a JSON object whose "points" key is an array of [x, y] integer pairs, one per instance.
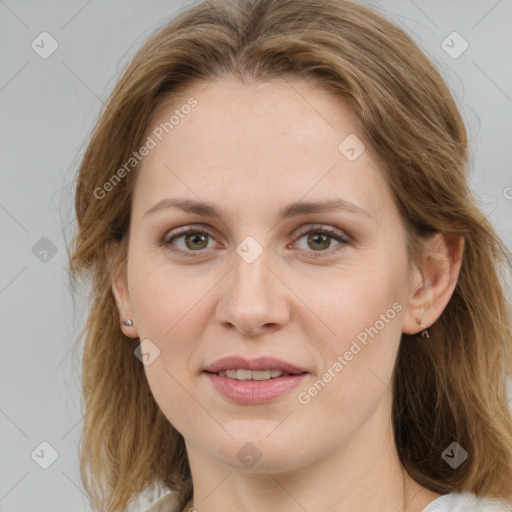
{"points": [[256, 451]]}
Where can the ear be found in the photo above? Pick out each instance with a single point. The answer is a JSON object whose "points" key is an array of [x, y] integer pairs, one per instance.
{"points": [[433, 281], [121, 294]]}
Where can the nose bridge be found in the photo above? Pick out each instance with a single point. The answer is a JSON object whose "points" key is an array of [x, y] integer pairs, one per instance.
{"points": [[251, 276], [250, 297], [250, 283]]}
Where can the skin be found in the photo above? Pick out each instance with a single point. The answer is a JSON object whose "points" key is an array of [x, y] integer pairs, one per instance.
{"points": [[252, 149]]}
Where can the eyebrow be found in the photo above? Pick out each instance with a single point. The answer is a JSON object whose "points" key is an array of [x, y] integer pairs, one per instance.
{"points": [[206, 209]]}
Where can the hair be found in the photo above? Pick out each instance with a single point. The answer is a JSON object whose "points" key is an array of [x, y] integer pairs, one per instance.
{"points": [[449, 388]]}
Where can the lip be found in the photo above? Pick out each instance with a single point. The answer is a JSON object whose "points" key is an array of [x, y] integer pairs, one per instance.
{"points": [[253, 392], [261, 363]]}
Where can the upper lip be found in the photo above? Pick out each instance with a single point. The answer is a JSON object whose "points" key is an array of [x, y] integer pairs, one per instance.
{"points": [[261, 363]]}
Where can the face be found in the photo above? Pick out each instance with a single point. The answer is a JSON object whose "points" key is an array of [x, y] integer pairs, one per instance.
{"points": [[321, 290]]}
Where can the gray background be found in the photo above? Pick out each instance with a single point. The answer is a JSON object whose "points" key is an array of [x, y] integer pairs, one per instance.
{"points": [[48, 107]]}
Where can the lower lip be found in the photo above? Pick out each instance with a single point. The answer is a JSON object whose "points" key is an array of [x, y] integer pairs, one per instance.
{"points": [[251, 392]]}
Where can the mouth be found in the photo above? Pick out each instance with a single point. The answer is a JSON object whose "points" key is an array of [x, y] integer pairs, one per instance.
{"points": [[254, 381], [263, 368], [244, 374]]}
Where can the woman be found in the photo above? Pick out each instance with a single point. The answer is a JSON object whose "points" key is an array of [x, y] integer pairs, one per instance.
{"points": [[296, 303]]}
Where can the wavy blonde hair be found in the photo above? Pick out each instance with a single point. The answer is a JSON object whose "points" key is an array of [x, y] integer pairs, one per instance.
{"points": [[451, 388]]}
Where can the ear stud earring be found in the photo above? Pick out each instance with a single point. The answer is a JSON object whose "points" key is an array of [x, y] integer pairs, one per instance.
{"points": [[129, 323]]}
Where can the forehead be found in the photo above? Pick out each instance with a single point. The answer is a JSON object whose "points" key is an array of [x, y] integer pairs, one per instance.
{"points": [[256, 144]]}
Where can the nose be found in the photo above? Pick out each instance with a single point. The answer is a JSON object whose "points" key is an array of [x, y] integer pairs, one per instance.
{"points": [[253, 298]]}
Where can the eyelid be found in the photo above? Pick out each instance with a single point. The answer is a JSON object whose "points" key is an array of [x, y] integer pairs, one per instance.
{"points": [[331, 230], [338, 235], [184, 230], [188, 228]]}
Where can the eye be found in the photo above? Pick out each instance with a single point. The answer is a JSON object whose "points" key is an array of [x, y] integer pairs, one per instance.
{"points": [[319, 238], [194, 240]]}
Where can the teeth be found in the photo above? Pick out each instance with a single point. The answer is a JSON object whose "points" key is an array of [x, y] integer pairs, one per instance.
{"points": [[261, 375], [242, 374]]}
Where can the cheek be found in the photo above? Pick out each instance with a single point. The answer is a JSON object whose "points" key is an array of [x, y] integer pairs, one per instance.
{"points": [[170, 308], [363, 310], [367, 330], [368, 310], [165, 297], [357, 362], [353, 300]]}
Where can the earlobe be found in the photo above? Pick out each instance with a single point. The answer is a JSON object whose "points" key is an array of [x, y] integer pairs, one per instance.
{"points": [[418, 304], [122, 298], [433, 282]]}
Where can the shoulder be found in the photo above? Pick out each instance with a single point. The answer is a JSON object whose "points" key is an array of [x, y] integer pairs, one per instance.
{"points": [[168, 503], [466, 502]]}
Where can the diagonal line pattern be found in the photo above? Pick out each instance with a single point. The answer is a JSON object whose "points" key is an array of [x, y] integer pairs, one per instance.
{"points": [[83, 416], [13, 279], [492, 81], [99, 99], [424, 14], [379, 378], [209, 83], [15, 75], [404, 507], [75, 15], [13, 13], [78, 487], [280, 423], [14, 218], [286, 491], [14, 423], [14, 485], [197, 401], [485, 15], [288, 82], [73, 426], [218, 485], [67, 225]]}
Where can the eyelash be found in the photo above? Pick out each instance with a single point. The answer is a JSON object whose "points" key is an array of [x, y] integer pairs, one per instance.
{"points": [[332, 233]]}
